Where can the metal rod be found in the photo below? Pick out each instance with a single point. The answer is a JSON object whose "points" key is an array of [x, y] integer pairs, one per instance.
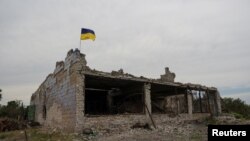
{"points": [[80, 45], [200, 101], [26, 137], [150, 116], [209, 109], [186, 99]]}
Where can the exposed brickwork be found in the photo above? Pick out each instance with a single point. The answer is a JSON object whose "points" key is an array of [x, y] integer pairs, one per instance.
{"points": [[168, 76], [60, 99], [175, 104]]}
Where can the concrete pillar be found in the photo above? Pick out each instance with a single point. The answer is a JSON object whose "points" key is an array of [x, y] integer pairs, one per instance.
{"points": [[80, 96], [215, 103], [211, 97], [147, 98], [178, 107], [218, 103], [190, 104]]}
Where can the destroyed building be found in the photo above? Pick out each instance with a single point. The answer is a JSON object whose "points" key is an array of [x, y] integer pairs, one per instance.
{"points": [[74, 94]]}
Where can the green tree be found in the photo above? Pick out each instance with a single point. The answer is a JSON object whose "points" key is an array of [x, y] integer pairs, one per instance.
{"points": [[236, 106], [13, 109]]}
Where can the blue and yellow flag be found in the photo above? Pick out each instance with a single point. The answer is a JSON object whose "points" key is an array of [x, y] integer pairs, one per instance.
{"points": [[87, 34]]}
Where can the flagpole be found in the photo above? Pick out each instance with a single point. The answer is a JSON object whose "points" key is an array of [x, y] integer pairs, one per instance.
{"points": [[80, 46]]}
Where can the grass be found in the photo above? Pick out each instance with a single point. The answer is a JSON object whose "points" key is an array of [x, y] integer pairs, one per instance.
{"points": [[210, 120], [36, 135], [2, 136], [238, 116], [196, 137]]}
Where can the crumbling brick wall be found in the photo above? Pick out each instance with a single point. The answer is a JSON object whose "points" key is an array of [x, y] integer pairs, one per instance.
{"points": [[59, 99], [175, 104], [168, 76]]}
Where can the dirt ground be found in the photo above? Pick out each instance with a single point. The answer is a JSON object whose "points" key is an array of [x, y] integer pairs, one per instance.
{"points": [[169, 130]]}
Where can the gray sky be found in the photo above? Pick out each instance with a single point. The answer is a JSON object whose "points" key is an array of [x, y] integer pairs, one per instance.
{"points": [[202, 41]]}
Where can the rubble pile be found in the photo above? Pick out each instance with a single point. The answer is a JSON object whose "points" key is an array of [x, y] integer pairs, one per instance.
{"points": [[7, 124]]}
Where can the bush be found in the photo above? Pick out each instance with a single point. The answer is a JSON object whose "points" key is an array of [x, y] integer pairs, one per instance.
{"points": [[237, 107], [13, 109]]}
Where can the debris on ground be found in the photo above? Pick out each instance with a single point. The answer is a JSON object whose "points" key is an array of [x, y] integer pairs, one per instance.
{"points": [[7, 124], [87, 131], [111, 128], [141, 125], [33, 124]]}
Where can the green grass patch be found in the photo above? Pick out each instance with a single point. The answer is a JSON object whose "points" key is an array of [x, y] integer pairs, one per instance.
{"points": [[3, 136], [196, 137], [238, 116], [36, 135], [210, 120]]}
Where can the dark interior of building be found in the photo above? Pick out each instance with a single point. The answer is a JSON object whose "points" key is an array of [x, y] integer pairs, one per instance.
{"points": [[105, 96]]}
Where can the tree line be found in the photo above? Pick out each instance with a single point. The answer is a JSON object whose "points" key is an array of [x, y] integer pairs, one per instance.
{"points": [[237, 107], [14, 109]]}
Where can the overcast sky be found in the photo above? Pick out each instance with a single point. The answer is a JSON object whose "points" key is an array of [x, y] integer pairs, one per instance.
{"points": [[202, 41]]}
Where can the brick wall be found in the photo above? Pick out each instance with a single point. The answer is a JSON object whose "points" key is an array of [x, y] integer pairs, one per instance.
{"points": [[59, 100]]}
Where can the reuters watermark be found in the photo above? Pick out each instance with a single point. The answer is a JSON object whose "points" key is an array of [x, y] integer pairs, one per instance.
{"points": [[241, 132]]}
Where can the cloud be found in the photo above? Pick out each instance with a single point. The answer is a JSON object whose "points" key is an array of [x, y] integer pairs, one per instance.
{"points": [[243, 96], [203, 42], [17, 92]]}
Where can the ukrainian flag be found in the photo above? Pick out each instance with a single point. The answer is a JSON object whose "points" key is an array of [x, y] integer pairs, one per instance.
{"points": [[87, 34]]}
